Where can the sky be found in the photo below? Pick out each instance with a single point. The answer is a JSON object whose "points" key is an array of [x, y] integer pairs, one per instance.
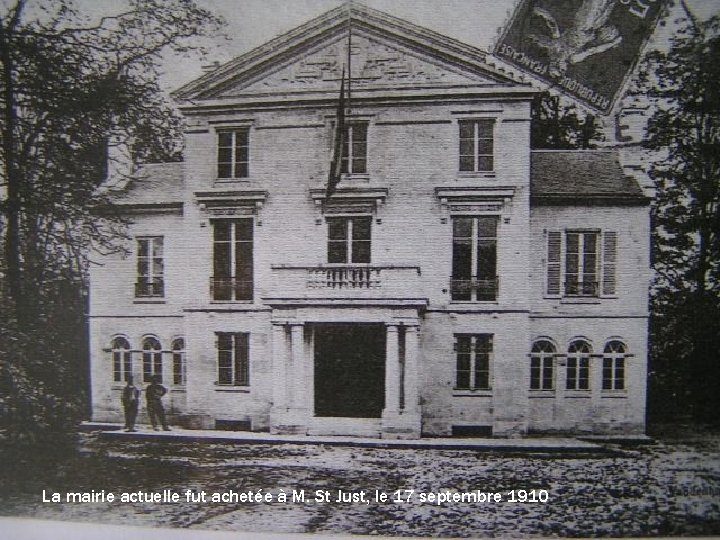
{"points": [[254, 22], [251, 23]]}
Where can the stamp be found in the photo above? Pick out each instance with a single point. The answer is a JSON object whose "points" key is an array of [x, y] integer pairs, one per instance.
{"points": [[585, 48]]}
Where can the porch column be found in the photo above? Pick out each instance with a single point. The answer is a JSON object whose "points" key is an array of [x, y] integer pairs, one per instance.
{"points": [[299, 387], [392, 371], [279, 368], [411, 370]]}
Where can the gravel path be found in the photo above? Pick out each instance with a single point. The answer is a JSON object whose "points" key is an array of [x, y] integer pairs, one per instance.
{"points": [[671, 487]]}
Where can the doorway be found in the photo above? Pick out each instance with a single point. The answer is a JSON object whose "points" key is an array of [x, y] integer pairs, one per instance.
{"points": [[350, 370]]}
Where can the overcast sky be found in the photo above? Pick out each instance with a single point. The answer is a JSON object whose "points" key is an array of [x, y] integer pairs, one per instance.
{"points": [[253, 22]]}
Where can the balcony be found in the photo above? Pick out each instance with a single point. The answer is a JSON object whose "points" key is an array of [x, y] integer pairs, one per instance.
{"points": [[231, 289], [582, 288], [153, 288], [344, 282], [474, 290]]}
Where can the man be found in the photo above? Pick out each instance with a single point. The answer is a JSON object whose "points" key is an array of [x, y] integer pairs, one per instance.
{"points": [[153, 394], [130, 400]]}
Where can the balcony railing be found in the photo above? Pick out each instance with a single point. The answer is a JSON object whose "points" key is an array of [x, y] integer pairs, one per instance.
{"points": [[344, 281], [348, 277], [229, 289], [582, 288], [154, 288], [480, 290]]}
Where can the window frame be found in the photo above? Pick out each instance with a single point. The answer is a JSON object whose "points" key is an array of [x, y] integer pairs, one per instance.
{"points": [[581, 288], [476, 283], [557, 263], [349, 240], [121, 358], [237, 361], [614, 367], [474, 352], [351, 143], [228, 288], [578, 361], [476, 139], [152, 363], [234, 161], [542, 362], [179, 362], [152, 283]]}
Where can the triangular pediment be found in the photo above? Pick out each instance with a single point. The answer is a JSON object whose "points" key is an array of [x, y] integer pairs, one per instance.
{"points": [[375, 63], [386, 53]]}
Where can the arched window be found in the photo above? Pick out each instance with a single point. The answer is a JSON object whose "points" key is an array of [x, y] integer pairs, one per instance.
{"points": [[542, 376], [152, 359], [578, 365], [613, 377], [121, 359], [178, 360]]}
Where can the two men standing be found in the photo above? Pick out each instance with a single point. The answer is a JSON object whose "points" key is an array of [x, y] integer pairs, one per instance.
{"points": [[153, 395]]}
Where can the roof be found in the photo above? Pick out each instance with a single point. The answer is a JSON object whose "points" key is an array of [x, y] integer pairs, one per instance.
{"points": [[557, 177], [155, 184], [579, 176], [333, 24]]}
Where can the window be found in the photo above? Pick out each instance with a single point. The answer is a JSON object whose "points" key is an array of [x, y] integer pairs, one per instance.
{"points": [[474, 353], [233, 153], [474, 264], [150, 280], [349, 239], [233, 359], [152, 359], [542, 375], [232, 259], [476, 145], [121, 359], [354, 156], [581, 263], [178, 361], [613, 375], [578, 366]]}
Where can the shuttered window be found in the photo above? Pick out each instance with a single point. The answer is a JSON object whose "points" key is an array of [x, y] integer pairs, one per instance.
{"points": [[581, 263]]}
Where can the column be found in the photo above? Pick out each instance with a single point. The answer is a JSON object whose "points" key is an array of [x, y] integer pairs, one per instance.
{"points": [[392, 371], [411, 370], [280, 378], [298, 397]]}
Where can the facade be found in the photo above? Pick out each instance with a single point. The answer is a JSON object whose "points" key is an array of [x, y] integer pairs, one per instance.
{"points": [[456, 283]]}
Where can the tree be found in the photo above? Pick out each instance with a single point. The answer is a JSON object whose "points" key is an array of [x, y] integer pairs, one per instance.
{"points": [[67, 85], [684, 134], [559, 126]]}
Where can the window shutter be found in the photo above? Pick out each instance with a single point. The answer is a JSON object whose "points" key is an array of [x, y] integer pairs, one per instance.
{"points": [[609, 262], [553, 262]]}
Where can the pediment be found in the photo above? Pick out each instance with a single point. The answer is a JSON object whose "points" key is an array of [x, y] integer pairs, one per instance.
{"points": [[386, 53], [375, 63]]}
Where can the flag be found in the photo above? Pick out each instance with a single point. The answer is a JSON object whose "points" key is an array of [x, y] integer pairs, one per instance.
{"points": [[338, 143]]}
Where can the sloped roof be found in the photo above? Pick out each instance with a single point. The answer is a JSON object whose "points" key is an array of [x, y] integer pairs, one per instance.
{"points": [[575, 176], [154, 184], [332, 24], [563, 177]]}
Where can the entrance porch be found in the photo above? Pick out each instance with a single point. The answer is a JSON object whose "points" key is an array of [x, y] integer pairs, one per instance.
{"points": [[346, 374]]}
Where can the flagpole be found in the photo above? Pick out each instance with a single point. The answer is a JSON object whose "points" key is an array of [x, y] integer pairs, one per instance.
{"points": [[349, 54]]}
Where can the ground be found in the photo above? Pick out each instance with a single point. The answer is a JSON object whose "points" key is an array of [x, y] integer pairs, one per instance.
{"points": [[669, 487]]}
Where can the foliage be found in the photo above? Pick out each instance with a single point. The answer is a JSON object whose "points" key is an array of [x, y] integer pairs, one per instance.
{"points": [[68, 86], [684, 134], [561, 126]]}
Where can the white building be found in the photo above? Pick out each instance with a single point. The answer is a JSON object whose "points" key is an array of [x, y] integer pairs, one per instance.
{"points": [[456, 283]]}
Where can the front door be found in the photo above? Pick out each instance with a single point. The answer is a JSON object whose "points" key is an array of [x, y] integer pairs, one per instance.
{"points": [[350, 370]]}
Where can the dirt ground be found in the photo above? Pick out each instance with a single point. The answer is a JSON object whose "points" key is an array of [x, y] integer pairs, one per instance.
{"points": [[669, 487]]}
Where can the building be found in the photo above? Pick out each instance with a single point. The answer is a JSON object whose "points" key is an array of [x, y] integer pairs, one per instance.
{"points": [[456, 283]]}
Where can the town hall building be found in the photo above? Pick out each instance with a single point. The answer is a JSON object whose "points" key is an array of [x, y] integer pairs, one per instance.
{"points": [[456, 282]]}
